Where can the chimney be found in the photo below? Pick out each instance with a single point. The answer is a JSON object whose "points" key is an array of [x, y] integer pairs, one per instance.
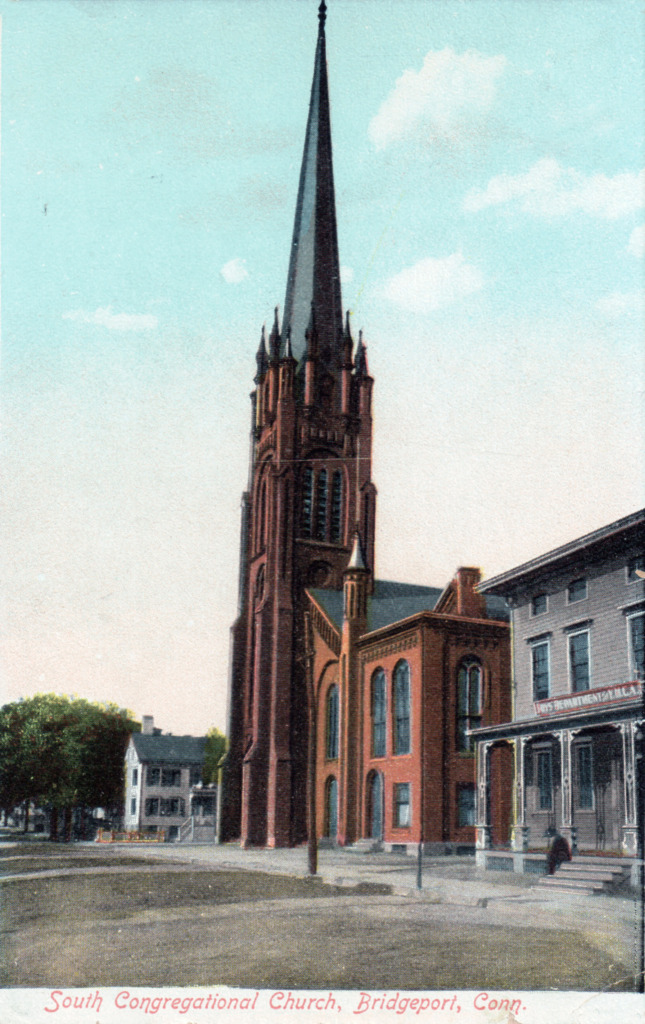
{"points": [[469, 602], [147, 725]]}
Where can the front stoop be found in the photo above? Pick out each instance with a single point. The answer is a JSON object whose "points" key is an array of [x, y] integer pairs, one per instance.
{"points": [[589, 876]]}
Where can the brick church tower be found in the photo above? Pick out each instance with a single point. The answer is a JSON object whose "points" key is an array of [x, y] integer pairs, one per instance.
{"points": [[309, 491]]}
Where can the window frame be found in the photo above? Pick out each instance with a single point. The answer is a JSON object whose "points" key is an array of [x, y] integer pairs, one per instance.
{"points": [[402, 716], [581, 580], [570, 665], [170, 777], [634, 671], [135, 778], [307, 503], [544, 755], [589, 804], [332, 724], [399, 789], [634, 563], [470, 789], [378, 674], [536, 597], [464, 712], [153, 776], [336, 508], [534, 645]]}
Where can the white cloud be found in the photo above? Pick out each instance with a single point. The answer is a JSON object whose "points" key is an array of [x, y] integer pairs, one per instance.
{"points": [[346, 275], [431, 283], [621, 304], [104, 317], [234, 272], [436, 101], [636, 244], [551, 191]]}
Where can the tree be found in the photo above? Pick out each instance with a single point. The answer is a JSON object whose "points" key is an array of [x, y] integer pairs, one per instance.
{"points": [[63, 753], [213, 753]]}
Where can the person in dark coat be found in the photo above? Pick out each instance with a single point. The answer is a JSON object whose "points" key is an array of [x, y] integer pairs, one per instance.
{"points": [[559, 852]]}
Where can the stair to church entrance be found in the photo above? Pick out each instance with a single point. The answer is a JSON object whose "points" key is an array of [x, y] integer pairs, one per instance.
{"points": [[589, 876]]}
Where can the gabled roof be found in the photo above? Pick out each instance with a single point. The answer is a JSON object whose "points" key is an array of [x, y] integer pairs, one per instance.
{"points": [[391, 602], [169, 749]]}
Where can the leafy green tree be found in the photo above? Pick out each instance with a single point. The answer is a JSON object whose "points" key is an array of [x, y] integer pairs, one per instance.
{"points": [[213, 753], [63, 753]]}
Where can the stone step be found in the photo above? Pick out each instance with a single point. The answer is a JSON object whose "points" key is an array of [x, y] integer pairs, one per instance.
{"points": [[572, 884], [587, 874], [577, 890]]}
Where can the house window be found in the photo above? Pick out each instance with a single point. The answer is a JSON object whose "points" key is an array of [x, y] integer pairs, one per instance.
{"points": [[402, 708], [402, 805], [336, 507], [539, 604], [577, 591], [153, 776], [171, 776], [540, 669], [152, 807], [378, 713], [307, 502], [544, 780], [632, 566], [585, 777], [135, 776], [468, 703], [636, 627], [195, 776], [331, 717], [321, 505], [579, 661], [465, 805], [133, 806]]}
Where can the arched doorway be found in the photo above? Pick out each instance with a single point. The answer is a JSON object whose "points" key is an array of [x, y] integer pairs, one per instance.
{"points": [[331, 808], [375, 806]]}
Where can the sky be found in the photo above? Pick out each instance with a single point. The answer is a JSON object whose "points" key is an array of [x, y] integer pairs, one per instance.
{"points": [[488, 159]]}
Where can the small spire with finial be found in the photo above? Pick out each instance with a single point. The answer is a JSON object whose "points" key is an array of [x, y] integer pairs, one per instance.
{"points": [[322, 14]]}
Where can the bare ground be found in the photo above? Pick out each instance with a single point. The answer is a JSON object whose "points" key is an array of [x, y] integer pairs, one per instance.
{"points": [[162, 927]]}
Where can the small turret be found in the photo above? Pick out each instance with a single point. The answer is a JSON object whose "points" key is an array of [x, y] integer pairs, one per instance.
{"points": [[274, 339], [360, 362], [346, 373], [261, 357], [356, 587]]}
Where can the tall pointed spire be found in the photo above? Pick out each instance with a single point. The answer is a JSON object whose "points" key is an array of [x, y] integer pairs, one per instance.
{"points": [[314, 270]]}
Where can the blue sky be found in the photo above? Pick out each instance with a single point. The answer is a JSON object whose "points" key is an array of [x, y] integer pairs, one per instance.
{"points": [[489, 181]]}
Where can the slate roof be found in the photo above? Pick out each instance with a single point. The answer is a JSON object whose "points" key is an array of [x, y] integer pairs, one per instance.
{"points": [[392, 602], [170, 749]]}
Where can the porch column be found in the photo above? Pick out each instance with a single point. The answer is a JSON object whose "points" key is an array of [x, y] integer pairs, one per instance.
{"points": [[482, 828], [519, 830], [630, 815], [567, 828]]}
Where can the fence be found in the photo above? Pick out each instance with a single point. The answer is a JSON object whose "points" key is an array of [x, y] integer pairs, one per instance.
{"points": [[113, 836]]}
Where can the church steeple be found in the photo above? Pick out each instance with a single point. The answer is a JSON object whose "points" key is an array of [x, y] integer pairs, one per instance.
{"points": [[313, 282]]}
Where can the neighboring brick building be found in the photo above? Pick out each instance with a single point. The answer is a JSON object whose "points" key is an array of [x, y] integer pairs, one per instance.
{"points": [[401, 673], [578, 625], [163, 784]]}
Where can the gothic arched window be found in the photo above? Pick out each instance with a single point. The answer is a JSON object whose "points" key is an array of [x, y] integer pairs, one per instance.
{"points": [[321, 505], [331, 721], [306, 516], [402, 708], [469, 696], [378, 713], [336, 507]]}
